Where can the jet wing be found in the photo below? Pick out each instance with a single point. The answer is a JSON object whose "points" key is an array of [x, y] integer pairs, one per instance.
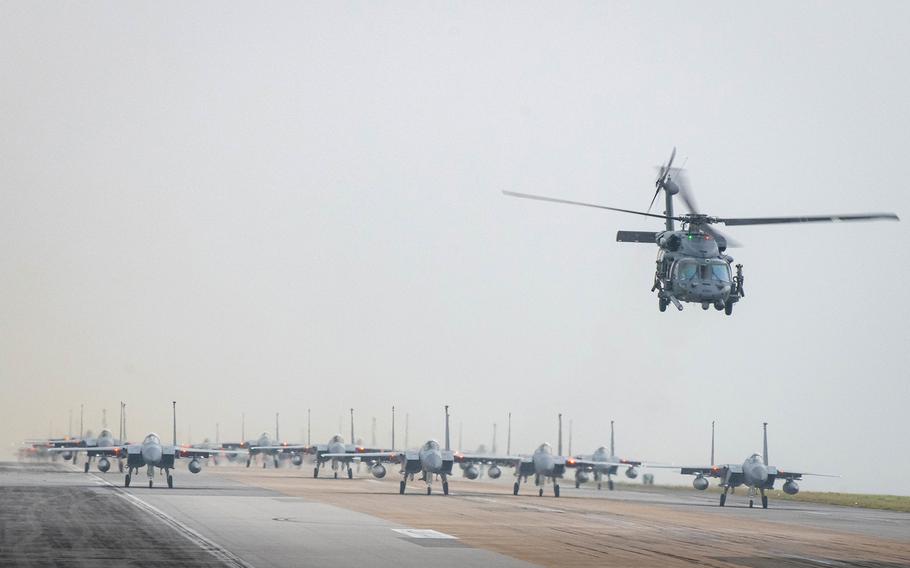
{"points": [[280, 448], [711, 470], [509, 461], [782, 474], [581, 461], [381, 456], [94, 450], [193, 452]]}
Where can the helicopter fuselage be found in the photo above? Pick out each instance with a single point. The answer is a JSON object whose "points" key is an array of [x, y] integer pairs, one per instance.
{"points": [[692, 267]]}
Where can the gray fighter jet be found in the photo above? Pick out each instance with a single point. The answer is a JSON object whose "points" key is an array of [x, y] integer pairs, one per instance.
{"points": [[602, 463], [152, 454], [429, 461], [264, 445], [542, 464], [754, 473], [93, 446], [342, 455]]}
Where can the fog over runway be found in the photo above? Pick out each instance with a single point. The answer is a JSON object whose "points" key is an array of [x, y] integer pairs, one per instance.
{"points": [[234, 516]]}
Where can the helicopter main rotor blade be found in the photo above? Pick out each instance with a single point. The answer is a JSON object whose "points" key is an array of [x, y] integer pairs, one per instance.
{"points": [[662, 177], [808, 219], [566, 201], [685, 190]]}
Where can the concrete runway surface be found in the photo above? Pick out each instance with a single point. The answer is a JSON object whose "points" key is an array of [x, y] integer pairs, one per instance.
{"points": [[52, 514]]}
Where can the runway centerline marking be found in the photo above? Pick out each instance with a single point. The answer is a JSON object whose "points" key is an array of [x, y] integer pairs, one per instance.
{"points": [[213, 548]]}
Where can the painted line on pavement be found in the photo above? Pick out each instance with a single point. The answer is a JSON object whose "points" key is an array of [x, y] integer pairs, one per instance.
{"points": [[216, 550]]}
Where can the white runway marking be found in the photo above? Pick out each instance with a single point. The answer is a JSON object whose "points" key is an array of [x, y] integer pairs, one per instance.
{"points": [[424, 533], [216, 550]]}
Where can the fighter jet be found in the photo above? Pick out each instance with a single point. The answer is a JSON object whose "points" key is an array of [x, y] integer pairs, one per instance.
{"points": [[349, 453], [542, 464], [754, 473], [429, 461], [151, 454], [602, 463], [266, 446], [93, 446]]}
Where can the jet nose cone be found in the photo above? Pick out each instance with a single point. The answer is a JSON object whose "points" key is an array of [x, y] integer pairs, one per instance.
{"points": [[544, 463], [433, 461], [151, 454], [757, 472]]}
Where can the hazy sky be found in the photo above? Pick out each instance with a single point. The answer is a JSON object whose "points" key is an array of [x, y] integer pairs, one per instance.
{"points": [[277, 206]]}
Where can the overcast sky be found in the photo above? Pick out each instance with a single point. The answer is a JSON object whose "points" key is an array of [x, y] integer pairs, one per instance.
{"points": [[260, 208]]}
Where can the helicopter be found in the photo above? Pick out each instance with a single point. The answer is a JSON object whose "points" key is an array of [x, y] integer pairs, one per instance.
{"points": [[692, 264]]}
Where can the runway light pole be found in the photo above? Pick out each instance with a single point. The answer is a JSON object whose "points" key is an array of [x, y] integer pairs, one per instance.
{"points": [[174, 413]]}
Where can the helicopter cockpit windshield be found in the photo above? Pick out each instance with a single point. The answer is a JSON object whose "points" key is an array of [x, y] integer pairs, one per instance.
{"points": [[716, 270], [711, 270]]}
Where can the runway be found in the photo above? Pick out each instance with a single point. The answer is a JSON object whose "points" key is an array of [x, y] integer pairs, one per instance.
{"points": [[233, 516]]}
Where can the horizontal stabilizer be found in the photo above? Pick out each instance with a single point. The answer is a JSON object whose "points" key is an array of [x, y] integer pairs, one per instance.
{"points": [[636, 237]]}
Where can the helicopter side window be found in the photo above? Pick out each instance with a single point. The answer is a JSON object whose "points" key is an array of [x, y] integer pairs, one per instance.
{"points": [[686, 270], [717, 271]]}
